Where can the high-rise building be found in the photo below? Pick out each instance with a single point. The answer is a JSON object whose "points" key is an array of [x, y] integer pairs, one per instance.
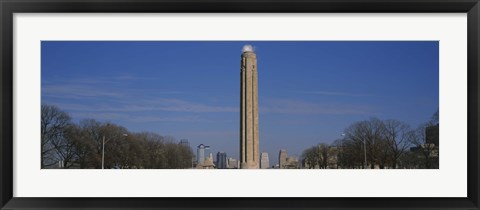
{"points": [[221, 160], [432, 134], [249, 143], [202, 151], [264, 162], [282, 158]]}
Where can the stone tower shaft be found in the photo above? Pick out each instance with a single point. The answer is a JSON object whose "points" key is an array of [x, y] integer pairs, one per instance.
{"points": [[249, 143]]}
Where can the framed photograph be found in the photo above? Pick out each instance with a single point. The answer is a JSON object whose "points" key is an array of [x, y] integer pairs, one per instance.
{"points": [[239, 105]]}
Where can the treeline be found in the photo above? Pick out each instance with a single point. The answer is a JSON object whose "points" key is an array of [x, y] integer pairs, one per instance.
{"points": [[68, 145], [376, 143]]}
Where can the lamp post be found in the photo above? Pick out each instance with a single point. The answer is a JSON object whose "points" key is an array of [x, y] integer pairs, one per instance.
{"points": [[365, 152], [341, 151], [103, 152], [364, 149], [103, 149]]}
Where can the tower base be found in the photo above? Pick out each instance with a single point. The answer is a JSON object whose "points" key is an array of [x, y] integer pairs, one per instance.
{"points": [[249, 165]]}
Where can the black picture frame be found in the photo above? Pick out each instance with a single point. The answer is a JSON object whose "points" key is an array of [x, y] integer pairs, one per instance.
{"points": [[9, 7]]}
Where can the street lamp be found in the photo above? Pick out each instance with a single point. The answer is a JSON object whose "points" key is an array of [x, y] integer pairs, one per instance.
{"points": [[364, 149], [103, 149]]}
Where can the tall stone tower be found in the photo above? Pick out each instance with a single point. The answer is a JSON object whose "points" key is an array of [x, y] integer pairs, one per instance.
{"points": [[249, 146]]}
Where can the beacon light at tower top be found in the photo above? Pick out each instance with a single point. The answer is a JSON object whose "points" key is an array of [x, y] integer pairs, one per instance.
{"points": [[247, 48]]}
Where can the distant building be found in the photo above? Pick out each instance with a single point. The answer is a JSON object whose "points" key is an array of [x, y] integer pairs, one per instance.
{"points": [[221, 160], [292, 159], [264, 162], [431, 134], [282, 158], [333, 153], [232, 163], [284, 161], [202, 150], [292, 162], [430, 147], [208, 163]]}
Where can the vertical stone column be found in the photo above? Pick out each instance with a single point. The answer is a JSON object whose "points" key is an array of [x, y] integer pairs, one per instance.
{"points": [[249, 144]]}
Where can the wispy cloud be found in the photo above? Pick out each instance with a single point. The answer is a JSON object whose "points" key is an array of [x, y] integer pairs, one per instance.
{"points": [[144, 119], [100, 95], [213, 134], [292, 106], [77, 92], [332, 93], [86, 88], [109, 116], [179, 105], [99, 116], [168, 105]]}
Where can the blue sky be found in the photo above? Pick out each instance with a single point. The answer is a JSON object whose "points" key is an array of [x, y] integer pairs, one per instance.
{"points": [[309, 91]]}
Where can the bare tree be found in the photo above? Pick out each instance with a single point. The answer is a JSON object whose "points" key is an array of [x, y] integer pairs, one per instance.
{"points": [[93, 136], [83, 147], [155, 151], [397, 136], [323, 150], [64, 149], [317, 156], [311, 157], [368, 136], [380, 143], [53, 124]]}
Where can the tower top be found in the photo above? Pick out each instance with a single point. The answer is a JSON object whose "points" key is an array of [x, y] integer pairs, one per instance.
{"points": [[247, 48]]}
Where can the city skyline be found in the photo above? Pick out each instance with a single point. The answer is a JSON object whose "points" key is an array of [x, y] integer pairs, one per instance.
{"points": [[309, 92]]}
